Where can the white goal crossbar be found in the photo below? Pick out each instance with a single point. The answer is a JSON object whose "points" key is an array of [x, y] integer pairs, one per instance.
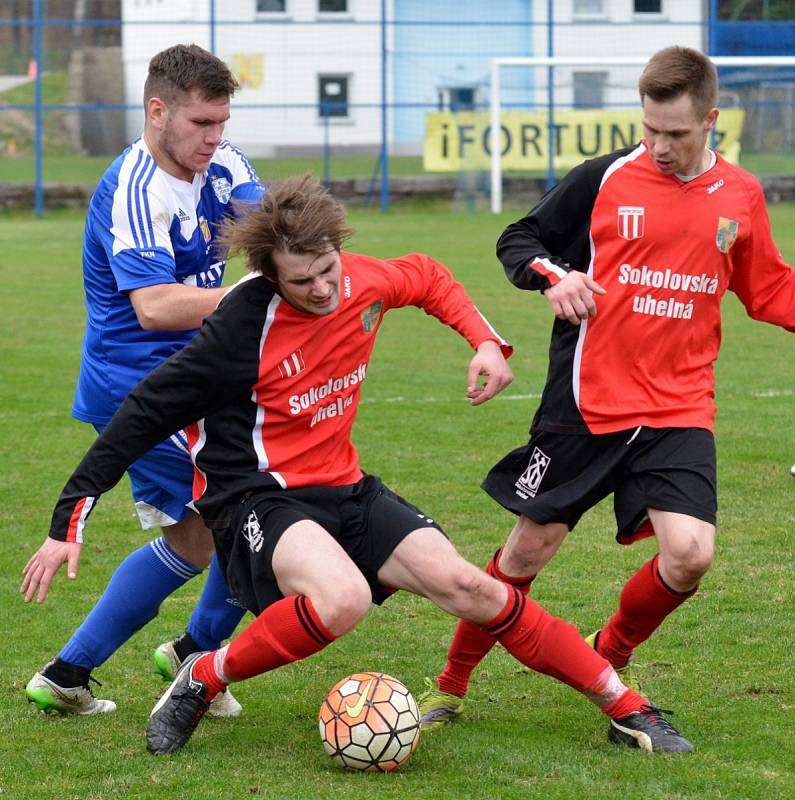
{"points": [[498, 64]]}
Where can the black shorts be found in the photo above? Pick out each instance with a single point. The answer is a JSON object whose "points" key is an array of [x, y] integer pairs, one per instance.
{"points": [[367, 519], [558, 477]]}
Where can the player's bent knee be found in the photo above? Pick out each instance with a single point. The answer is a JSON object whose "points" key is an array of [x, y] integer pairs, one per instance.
{"points": [[470, 593], [341, 608], [688, 565], [530, 546]]}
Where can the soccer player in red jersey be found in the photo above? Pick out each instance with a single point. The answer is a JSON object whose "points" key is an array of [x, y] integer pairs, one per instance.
{"points": [[634, 252], [307, 540]]}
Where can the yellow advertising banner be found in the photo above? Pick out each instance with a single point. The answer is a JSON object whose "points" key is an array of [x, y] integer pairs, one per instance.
{"points": [[456, 141]]}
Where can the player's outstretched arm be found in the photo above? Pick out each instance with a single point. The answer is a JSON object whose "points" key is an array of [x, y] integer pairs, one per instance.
{"points": [[488, 362], [572, 297], [44, 563]]}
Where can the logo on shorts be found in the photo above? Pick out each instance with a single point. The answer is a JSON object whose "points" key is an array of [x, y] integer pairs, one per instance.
{"points": [[253, 532], [530, 480]]}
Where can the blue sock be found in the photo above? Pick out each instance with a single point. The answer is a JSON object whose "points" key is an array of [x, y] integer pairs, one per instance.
{"points": [[217, 614], [132, 597]]}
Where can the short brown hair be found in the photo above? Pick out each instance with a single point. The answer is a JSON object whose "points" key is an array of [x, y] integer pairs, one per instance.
{"points": [[178, 70], [675, 71], [296, 215]]}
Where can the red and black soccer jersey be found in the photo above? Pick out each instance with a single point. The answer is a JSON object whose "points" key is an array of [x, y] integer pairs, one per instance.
{"points": [[275, 390], [666, 251]]}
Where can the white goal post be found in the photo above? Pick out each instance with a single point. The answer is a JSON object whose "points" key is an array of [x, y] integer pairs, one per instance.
{"points": [[499, 64]]}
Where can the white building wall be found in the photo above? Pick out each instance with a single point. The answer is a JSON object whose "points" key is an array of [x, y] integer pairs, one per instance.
{"points": [[617, 30], [278, 64]]}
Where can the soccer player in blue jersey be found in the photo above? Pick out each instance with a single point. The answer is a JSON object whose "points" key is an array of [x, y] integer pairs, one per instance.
{"points": [[151, 275]]}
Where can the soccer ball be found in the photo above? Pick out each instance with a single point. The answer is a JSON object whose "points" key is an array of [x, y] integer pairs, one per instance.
{"points": [[369, 721]]}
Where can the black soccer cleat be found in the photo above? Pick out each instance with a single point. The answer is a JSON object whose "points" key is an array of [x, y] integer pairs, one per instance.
{"points": [[648, 730], [177, 712]]}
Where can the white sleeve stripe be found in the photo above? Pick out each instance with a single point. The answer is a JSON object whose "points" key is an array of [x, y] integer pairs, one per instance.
{"points": [[548, 266], [197, 448], [130, 184], [81, 521], [257, 438], [149, 227], [138, 202], [491, 328]]}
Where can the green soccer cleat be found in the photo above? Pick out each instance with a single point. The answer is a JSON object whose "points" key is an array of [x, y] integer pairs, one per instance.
{"points": [[167, 664], [438, 708], [51, 698], [628, 674]]}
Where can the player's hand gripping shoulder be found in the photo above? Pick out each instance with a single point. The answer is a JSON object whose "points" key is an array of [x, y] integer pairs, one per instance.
{"points": [[43, 565], [572, 298], [488, 362]]}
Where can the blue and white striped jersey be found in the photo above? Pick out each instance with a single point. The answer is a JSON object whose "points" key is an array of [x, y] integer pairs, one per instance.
{"points": [[145, 227]]}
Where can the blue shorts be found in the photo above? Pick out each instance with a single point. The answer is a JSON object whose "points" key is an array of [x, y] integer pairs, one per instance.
{"points": [[162, 482]]}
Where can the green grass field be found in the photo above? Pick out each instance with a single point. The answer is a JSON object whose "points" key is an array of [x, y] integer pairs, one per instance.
{"points": [[724, 662]]}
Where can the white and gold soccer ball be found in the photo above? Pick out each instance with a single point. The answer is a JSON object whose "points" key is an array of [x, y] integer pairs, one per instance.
{"points": [[369, 721]]}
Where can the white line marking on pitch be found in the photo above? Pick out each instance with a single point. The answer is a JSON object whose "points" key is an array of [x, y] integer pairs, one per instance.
{"points": [[422, 400]]}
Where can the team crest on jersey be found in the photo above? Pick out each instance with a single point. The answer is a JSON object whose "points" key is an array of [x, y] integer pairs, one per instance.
{"points": [[292, 365], [530, 479], [727, 234], [370, 316], [253, 533], [205, 229], [222, 189], [631, 221]]}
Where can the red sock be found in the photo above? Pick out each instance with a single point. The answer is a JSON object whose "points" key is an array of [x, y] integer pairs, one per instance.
{"points": [[286, 631], [628, 703], [204, 670], [553, 646], [471, 643], [644, 603]]}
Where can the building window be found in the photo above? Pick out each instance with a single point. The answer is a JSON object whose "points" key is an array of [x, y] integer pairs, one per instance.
{"points": [[589, 8], [458, 98], [332, 93], [332, 6], [271, 6], [648, 6], [589, 89]]}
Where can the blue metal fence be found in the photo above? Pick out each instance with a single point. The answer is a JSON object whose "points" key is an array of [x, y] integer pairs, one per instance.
{"points": [[406, 48]]}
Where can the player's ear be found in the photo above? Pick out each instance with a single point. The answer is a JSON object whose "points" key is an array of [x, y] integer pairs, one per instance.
{"points": [[156, 113], [711, 119]]}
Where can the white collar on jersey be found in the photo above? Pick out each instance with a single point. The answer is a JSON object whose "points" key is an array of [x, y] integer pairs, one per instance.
{"points": [[712, 159]]}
